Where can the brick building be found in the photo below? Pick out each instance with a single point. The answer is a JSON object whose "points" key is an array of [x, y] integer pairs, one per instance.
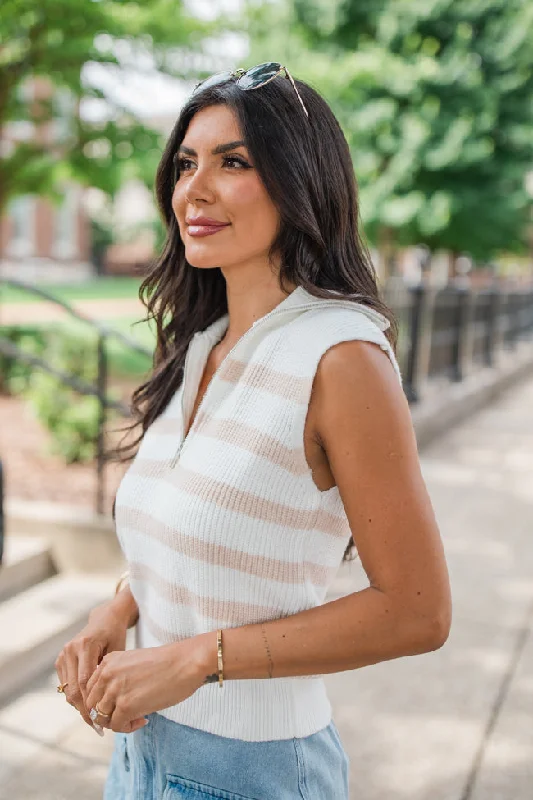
{"points": [[40, 240]]}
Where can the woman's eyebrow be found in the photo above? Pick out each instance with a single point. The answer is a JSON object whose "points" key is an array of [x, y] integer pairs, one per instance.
{"points": [[221, 148]]}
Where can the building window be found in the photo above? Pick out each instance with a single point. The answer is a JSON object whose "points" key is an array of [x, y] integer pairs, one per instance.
{"points": [[66, 225], [64, 104], [21, 212]]}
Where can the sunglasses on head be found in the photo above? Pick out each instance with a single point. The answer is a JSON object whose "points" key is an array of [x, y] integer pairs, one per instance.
{"points": [[252, 78]]}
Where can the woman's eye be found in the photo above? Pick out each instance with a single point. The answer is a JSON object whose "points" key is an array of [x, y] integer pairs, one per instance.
{"points": [[233, 162], [183, 164], [239, 162]]}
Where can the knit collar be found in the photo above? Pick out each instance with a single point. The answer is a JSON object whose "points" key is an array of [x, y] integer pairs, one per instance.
{"points": [[300, 298]]}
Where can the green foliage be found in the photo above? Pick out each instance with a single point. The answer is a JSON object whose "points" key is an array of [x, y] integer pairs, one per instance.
{"points": [[103, 287], [73, 425], [55, 40], [436, 100], [71, 418], [122, 361], [14, 373]]}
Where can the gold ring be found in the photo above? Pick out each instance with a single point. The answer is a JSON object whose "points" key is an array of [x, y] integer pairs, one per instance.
{"points": [[61, 687], [95, 712], [101, 713]]}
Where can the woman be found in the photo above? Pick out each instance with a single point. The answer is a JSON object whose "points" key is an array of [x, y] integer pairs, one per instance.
{"points": [[275, 440]]}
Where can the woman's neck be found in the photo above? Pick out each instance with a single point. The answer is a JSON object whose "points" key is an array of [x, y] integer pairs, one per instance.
{"points": [[247, 304]]}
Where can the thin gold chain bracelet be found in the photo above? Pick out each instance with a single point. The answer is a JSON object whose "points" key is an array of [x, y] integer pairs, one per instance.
{"points": [[219, 658]]}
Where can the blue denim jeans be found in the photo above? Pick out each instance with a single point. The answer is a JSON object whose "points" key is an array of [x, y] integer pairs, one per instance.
{"points": [[166, 761]]}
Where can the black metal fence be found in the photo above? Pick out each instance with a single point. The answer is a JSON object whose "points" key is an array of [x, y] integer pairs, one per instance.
{"points": [[450, 332], [443, 334], [99, 389]]}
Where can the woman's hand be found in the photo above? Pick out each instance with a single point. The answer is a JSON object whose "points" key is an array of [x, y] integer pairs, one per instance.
{"points": [[132, 684], [104, 633]]}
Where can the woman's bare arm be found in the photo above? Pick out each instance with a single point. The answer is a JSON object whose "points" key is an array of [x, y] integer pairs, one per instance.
{"points": [[366, 430], [123, 605]]}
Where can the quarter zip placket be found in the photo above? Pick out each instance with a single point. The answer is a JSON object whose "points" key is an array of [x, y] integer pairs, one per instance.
{"points": [[253, 328], [182, 410]]}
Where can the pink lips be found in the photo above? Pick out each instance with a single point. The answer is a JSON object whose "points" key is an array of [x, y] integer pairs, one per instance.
{"points": [[204, 226]]}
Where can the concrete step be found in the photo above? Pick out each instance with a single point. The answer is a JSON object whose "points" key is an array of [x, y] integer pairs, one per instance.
{"points": [[26, 561], [81, 540], [41, 734], [35, 624], [39, 758]]}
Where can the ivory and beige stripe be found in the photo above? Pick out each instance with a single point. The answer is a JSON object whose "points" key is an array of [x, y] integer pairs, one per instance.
{"points": [[237, 532]]}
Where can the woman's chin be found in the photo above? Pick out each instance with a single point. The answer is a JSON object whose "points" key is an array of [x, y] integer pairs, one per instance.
{"points": [[201, 260]]}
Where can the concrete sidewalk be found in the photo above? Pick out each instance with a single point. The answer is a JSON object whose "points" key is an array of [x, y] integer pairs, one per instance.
{"points": [[457, 724], [451, 725]]}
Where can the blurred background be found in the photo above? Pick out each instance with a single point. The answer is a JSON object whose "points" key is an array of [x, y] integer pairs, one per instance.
{"points": [[436, 101]]}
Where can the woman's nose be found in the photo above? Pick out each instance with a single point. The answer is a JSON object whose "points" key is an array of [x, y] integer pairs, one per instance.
{"points": [[200, 186]]}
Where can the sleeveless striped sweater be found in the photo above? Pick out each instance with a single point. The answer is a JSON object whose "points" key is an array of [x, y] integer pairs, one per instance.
{"points": [[227, 527]]}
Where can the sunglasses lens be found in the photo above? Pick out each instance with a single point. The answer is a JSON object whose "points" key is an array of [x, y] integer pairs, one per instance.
{"points": [[257, 75], [219, 77]]}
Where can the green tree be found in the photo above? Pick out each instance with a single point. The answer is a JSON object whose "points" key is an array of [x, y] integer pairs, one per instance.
{"points": [[55, 39], [436, 100]]}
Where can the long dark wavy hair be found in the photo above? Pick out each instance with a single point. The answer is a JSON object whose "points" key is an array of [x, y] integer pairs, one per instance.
{"points": [[306, 168]]}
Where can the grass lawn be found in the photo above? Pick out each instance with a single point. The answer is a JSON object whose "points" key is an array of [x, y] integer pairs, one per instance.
{"points": [[101, 288], [122, 361]]}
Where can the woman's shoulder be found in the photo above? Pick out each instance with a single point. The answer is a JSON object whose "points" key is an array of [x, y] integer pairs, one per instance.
{"points": [[330, 315], [314, 332]]}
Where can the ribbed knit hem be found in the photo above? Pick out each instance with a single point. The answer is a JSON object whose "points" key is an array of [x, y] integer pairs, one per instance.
{"points": [[257, 710]]}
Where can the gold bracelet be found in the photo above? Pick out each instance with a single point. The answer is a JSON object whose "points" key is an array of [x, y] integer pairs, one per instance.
{"points": [[219, 657], [124, 578]]}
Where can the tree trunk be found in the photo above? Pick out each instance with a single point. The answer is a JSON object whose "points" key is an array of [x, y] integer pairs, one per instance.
{"points": [[453, 255], [386, 250]]}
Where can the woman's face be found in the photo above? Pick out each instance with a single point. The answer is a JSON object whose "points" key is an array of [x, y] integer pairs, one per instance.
{"points": [[224, 213]]}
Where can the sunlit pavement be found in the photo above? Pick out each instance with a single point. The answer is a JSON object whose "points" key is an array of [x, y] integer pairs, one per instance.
{"points": [[455, 724], [108, 308]]}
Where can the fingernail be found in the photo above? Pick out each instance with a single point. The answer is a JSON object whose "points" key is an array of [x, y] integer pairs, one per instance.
{"points": [[146, 721], [98, 728]]}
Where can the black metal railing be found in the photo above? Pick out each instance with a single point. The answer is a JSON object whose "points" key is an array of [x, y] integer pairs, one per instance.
{"points": [[484, 326], [456, 330], [2, 518], [99, 389], [443, 334]]}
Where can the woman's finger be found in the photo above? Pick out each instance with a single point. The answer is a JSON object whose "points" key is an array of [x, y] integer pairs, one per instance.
{"points": [[60, 669], [137, 724], [120, 720], [93, 679], [101, 709], [87, 662], [101, 713], [130, 727], [73, 691], [95, 698]]}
